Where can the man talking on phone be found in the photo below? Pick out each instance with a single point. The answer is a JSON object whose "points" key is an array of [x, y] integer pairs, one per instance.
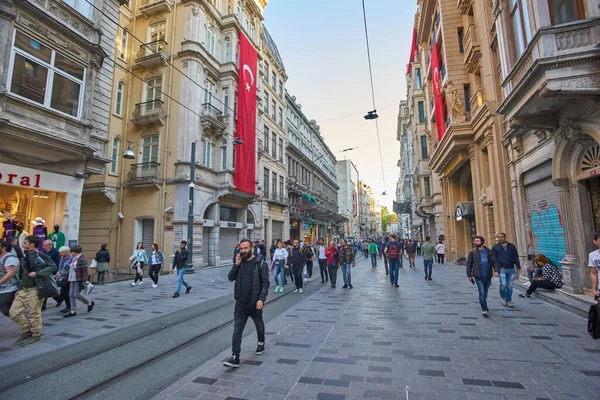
{"points": [[480, 271], [251, 275]]}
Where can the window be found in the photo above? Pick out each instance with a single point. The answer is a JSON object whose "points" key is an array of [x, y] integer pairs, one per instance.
{"points": [[281, 185], [206, 152], [519, 26], [281, 149], [563, 11], [266, 138], [427, 186], [467, 89], [280, 120], [274, 183], [280, 89], [274, 80], [461, 35], [266, 181], [224, 155], [418, 82], [114, 156], [119, 98], [158, 33], [209, 89], [123, 45], [274, 145], [238, 9], [153, 90], [227, 50], [273, 108], [43, 76], [246, 21], [225, 101], [267, 72], [421, 108], [211, 40], [266, 102], [424, 152], [83, 7], [150, 149]]}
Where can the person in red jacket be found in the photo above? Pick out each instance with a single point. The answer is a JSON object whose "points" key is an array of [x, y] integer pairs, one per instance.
{"points": [[331, 253]]}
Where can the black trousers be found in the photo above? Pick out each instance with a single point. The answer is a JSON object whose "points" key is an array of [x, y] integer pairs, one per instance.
{"points": [[385, 262], [323, 269], [332, 274], [542, 284], [64, 293], [440, 258], [309, 266], [298, 278], [56, 299], [154, 272], [6, 300], [241, 313]]}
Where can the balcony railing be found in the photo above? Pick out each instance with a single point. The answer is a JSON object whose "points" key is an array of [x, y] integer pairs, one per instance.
{"points": [[471, 49], [152, 54], [275, 197], [149, 112], [144, 171], [208, 110], [151, 7], [213, 116]]}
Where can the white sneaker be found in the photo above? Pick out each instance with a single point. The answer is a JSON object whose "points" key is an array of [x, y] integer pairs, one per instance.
{"points": [[140, 283], [527, 284], [310, 279], [296, 291], [301, 291], [133, 284], [154, 285]]}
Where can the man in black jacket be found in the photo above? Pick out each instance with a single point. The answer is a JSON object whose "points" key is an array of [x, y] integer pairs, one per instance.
{"points": [[480, 271], [251, 275], [180, 262], [297, 260]]}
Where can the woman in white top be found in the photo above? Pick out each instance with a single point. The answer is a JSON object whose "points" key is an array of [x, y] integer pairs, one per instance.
{"points": [[440, 249], [279, 266]]}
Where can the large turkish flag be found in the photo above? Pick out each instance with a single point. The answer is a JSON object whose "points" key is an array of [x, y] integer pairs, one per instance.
{"points": [[438, 96], [245, 160]]}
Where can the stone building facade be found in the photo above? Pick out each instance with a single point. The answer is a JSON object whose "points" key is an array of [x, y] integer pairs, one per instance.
{"points": [[56, 74], [347, 197], [549, 63]]}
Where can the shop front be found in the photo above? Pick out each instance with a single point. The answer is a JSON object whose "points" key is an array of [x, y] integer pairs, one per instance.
{"points": [[28, 195]]}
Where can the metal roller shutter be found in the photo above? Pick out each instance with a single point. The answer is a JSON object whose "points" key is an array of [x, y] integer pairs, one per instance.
{"points": [[544, 219], [147, 233], [277, 230], [228, 238], [205, 245]]}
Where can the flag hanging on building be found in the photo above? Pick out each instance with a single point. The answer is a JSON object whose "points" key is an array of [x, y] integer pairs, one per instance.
{"points": [[413, 49], [438, 96], [245, 157]]}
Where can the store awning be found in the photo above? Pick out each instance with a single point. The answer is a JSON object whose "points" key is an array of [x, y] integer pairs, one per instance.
{"points": [[464, 209]]}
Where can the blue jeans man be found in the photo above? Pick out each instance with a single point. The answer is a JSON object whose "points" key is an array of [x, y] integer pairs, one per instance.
{"points": [[428, 267], [394, 264], [347, 274], [181, 281], [483, 285], [507, 276], [373, 259]]}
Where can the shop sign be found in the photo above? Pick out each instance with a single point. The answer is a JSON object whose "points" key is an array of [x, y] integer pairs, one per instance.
{"points": [[168, 228], [231, 224], [459, 213], [20, 180]]}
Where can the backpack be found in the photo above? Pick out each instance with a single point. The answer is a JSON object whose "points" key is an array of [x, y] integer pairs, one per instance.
{"points": [[410, 247], [393, 251]]}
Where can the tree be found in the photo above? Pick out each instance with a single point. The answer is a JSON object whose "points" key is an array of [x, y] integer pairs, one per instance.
{"points": [[387, 218]]}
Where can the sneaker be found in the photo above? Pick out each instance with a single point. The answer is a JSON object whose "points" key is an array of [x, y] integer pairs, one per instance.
{"points": [[296, 291], [345, 286], [277, 289], [485, 314], [31, 341], [59, 303], [350, 286], [24, 336], [524, 295], [91, 306], [187, 289], [281, 289], [333, 286], [396, 286], [301, 291], [425, 278], [65, 310], [140, 283], [527, 284], [503, 301], [176, 295], [260, 348], [133, 284], [429, 278], [233, 362], [154, 285], [310, 279], [509, 304], [71, 314]]}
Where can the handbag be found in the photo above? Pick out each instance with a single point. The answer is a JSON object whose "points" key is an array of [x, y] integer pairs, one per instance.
{"points": [[63, 281], [46, 286], [93, 264], [88, 289]]}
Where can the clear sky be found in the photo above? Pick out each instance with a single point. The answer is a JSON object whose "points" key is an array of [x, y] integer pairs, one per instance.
{"points": [[322, 43]]}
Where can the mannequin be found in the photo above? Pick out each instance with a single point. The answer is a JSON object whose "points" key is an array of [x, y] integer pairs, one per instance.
{"points": [[57, 237], [40, 230], [9, 226]]}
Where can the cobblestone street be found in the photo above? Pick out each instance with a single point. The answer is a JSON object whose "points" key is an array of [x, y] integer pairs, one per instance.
{"points": [[426, 340]]}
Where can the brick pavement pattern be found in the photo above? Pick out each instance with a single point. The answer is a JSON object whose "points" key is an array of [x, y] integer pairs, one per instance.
{"points": [[426, 340]]}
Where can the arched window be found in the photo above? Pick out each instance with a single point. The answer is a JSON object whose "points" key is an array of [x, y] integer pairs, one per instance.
{"points": [[211, 40], [206, 152], [227, 50], [224, 155]]}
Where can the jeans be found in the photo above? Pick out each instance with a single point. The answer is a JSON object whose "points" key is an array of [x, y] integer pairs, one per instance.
{"points": [[531, 275], [332, 274], [373, 259], [154, 272], [139, 277], [74, 294], [298, 278], [507, 276], [279, 271], [394, 269], [440, 258], [181, 280], [483, 286], [6, 300], [101, 275], [347, 273], [241, 313], [428, 265], [323, 269], [541, 283]]}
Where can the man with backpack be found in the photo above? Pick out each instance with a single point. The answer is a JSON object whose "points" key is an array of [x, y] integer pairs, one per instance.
{"points": [[251, 275], [393, 251], [296, 262]]}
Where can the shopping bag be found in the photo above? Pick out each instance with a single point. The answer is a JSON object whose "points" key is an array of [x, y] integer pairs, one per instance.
{"points": [[305, 274], [94, 264], [88, 289]]}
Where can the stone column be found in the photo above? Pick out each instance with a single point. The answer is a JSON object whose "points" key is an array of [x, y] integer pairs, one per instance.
{"points": [[214, 258], [572, 274]]}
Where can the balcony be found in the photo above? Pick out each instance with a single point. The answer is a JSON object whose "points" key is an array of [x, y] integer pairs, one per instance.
{"points": [[472, 49], [149, 113], [276, 198], [152, 54], [151, 7], [212, 118], [144, 174], [465, 6]]}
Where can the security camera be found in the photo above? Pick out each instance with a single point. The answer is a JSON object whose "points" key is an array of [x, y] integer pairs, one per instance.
{"points": [[120, 215], [169, 210]]}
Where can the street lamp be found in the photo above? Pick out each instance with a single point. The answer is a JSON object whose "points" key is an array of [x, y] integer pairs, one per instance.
{"points": [[129, 154], [371, 115]]}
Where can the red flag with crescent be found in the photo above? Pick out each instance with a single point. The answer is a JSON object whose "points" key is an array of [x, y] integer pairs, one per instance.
{"points": [[413, 49], [438, 97], [245, 160]]}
